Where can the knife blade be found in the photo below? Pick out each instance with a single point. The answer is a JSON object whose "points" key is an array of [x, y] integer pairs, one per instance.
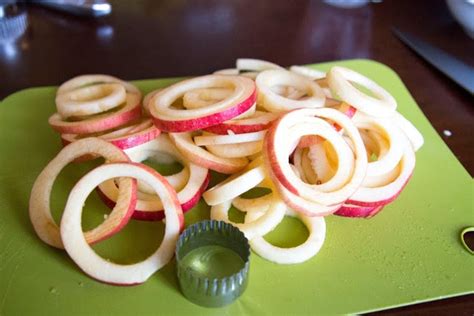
{"points": [[449, 65]]}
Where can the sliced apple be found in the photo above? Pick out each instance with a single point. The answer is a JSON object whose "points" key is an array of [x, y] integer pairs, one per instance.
{"points": [[124, 137], [149, 206], [101, 122], [84, 256], [39, 207], [184, 142], [170, 119]]}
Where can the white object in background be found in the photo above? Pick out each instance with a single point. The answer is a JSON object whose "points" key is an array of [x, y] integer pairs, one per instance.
{"points": [[463, 12], [347, 4]]}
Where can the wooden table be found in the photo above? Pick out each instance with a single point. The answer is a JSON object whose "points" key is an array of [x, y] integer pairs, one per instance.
{"points": [[152, 39]]}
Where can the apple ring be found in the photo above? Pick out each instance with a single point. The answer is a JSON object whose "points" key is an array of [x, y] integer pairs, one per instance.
{"points": [[340, 81], [172, 119], [301, 253], [261, 226], [90, 100], [184, 142], [100, 122], [39, 208], [236, 184], [85, 80], [124, 137], [204, 97], [259, 121], [310, 73], [274, 102], [149, 206], [85, 257]]}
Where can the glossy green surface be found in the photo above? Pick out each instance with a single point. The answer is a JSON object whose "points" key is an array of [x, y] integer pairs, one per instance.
{"points": [[410, 252]]}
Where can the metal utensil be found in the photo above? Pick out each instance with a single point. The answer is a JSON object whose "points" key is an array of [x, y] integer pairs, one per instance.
{"points": [[452, 67], [92, 8]]}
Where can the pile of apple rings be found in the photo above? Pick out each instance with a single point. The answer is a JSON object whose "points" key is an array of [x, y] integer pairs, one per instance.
{"points": [[318, 142]]}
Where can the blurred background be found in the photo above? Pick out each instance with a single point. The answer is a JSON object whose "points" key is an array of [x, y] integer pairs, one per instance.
{"points": [[148, 39], [151, 39]]}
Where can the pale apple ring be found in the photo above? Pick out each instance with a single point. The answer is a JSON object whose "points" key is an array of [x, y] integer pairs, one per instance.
{"points": [[235, 185], [411, 132], [252, 64], [332, 179], [305, 206], [236, 72], [39, 208], [260, 227], [149, 206], [160, 150], [157, 150], [258, 204], [146, 100], [276, 158], [171, 119], [184, 143], [375, 144], [274, 102], [210, 139], [375, 196], [397, 141], [199, 98], [124, 137], [236, 150], [101, 122], [204, 97], [259, 121], [227, 72], [288, 92], [85, 257], [85, 80], [310, 73], [340, 81], [336, 190], [343, 152], [90, 100], [381, 179], [301, 253], [320, 164]]}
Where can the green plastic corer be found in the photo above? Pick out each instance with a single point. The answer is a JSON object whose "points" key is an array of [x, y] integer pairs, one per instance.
{"points": [[212, 260]]}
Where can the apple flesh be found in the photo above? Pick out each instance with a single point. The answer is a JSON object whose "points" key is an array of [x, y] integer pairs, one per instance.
{"points": [[102, 122], [258, 122], [124, 137]]}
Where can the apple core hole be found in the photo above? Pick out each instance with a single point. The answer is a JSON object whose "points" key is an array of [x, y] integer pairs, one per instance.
{"points": [[135, 242], [255, 193], [236, 216], [467, 239], [291, 232], [364, 90], [64, 183], [165, 169]]}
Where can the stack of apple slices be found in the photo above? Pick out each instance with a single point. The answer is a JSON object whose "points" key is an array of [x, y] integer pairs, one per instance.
{"points": [[189, 183], [101, 106], [70, 235], [320, 144]]}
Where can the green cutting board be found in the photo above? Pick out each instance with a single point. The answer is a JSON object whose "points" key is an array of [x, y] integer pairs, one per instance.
{"points": [[409, 253]]}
